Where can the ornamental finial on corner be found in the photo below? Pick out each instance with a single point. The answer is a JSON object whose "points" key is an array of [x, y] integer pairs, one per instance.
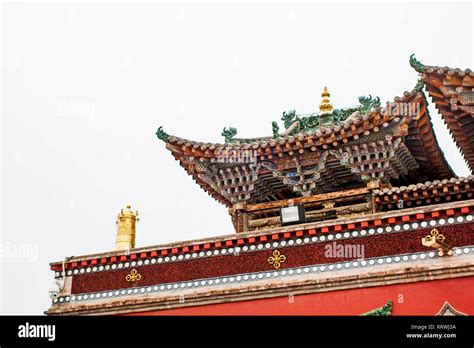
{"points": [[162, 135], [416, 64]]}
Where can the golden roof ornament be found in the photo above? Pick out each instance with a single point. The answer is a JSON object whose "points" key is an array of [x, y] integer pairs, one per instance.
{"points": [[325, 106], [126, 222]]}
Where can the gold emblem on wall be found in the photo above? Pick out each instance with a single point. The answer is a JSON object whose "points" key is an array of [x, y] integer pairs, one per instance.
{"points": [[277, 259], [436, 240], [133, 276]]}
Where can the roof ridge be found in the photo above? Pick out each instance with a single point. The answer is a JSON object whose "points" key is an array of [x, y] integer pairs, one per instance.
{"points": [[420, 67], [426, 184]]}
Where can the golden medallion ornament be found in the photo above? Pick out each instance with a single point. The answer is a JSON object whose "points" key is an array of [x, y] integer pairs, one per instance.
{"points": [[277, 259], [436, 240], [133, 276]]}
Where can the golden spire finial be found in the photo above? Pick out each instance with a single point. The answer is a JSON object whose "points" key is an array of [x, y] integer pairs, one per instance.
{"points": [[126, 222], [325, 105]]}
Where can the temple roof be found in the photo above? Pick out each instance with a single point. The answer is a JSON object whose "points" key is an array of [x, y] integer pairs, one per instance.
{"points": [[318, 153], [452, 92], [429, 192]]}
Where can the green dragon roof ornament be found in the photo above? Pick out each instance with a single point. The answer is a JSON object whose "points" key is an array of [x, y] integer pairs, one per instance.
{"points": [[368, 103], [162, 135], [343, 114], [275, 130], [385, 310], [229, 134], [416, 64], [295, 124]]}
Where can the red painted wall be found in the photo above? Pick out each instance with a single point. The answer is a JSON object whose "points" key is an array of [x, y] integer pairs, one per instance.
{"points": [[256, 261], [421, 298]]}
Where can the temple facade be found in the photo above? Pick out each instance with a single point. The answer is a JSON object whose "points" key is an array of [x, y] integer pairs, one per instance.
{"points": [[345, 211]]}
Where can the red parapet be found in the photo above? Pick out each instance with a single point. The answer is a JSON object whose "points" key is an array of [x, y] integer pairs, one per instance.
{"points": [[270, 236]]}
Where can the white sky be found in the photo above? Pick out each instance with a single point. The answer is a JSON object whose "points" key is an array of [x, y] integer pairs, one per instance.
{"points": [[86, 85]]}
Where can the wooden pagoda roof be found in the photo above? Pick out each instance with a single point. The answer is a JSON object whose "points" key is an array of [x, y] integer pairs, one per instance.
{"points": [[421, 152], [452, 91]]}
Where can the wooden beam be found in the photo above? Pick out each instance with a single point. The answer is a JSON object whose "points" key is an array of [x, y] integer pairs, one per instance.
{"points": [[301, 200]]}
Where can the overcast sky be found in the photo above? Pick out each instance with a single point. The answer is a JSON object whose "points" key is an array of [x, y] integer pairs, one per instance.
{"points": [[84, 88]]}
